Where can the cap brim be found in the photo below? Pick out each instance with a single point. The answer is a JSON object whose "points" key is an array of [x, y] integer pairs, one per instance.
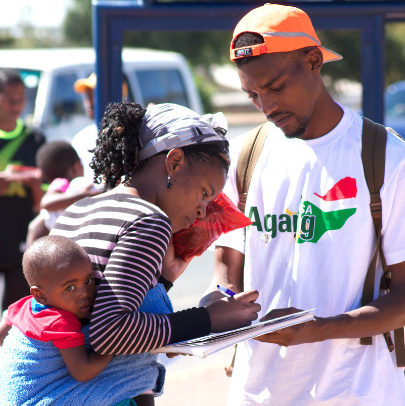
{"points": [[329, 56], [82, 85]]}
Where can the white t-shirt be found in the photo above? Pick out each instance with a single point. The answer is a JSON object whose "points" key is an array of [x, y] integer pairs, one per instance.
{"points": [[310, 247], [82, 142]]}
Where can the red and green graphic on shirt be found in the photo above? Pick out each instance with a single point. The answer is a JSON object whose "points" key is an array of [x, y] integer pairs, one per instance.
{"points": [[310, 223]]}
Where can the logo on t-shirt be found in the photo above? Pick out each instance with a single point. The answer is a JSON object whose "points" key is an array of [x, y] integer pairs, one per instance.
{"points": [[310, 223]]}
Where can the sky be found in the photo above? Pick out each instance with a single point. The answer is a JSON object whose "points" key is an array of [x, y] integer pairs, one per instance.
{"points": [[41, 13]]}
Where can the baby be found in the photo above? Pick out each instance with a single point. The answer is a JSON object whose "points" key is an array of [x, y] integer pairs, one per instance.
{"points": [[61, 280], [43, 359]]}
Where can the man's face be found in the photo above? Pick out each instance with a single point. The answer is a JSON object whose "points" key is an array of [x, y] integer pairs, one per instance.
{"points": [[284, 89], [89, 102], [12, 103]]}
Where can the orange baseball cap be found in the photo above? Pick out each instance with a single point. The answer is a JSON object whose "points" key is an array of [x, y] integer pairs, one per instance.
{"points": [[81, 85], [283, 28]]}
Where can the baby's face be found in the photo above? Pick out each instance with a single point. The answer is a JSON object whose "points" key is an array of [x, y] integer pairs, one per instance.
{"points": [[74, 291]]}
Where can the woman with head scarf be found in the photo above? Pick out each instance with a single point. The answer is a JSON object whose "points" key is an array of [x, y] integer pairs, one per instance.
{"points": [[161, 168]]}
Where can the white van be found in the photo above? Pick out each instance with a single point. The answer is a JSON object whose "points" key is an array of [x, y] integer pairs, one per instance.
{"points": [[52, 104]]}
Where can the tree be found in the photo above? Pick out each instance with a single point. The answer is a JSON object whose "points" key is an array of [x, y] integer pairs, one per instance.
{"points": [[348, 44], [204, 48], [200, 48], [77, 27]]}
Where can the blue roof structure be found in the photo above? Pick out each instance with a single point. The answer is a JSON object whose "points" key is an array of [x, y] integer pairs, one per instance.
{"points": [[112, 18]]}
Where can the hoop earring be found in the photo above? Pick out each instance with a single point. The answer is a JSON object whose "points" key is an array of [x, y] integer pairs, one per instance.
{"points": [[169, 184]]}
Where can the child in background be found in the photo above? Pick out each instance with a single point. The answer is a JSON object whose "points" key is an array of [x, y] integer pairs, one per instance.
{"points": [[61, 280], [62, 169]]}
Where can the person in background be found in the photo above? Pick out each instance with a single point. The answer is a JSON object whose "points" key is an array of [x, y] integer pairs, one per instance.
{"points": [[161, 168], [312, 236], [85, 140], [62, 169], [20, 183]]}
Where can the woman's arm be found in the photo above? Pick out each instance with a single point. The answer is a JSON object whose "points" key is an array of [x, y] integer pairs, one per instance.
{"points": [[81, 365], [117, 327], [173, 265], [228, 271]]}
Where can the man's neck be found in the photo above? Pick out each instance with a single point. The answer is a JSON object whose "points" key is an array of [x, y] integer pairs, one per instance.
{"points": [[327, 115], [8, 126], [11, 130]]}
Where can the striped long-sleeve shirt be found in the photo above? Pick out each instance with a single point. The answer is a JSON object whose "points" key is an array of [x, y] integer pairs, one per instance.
{"points": [[126, 239]]}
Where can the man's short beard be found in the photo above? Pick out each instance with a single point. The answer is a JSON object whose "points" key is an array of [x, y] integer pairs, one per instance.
{"points": [[300, 129]]}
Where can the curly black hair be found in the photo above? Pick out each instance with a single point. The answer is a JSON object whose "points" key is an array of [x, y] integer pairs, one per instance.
{"points": [[117, 146], [116, 156]]}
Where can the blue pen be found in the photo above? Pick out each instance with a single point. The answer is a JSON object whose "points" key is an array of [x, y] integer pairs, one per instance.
{"points": [[225, 291]]}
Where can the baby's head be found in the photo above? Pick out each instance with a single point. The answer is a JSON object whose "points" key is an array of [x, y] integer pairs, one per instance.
{"points": [[58, 159], [60, 274]]}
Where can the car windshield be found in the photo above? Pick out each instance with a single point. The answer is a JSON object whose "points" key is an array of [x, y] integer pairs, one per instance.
{"points": [[162, 86], [395, 101]]}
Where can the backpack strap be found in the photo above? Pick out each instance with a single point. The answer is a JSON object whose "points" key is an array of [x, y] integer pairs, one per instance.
{"points": [[374, 140], [249, 155]]}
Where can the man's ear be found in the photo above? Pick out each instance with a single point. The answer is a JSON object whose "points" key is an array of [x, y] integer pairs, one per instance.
{"points": [[315, 58], [38, 294], [174, 160]]}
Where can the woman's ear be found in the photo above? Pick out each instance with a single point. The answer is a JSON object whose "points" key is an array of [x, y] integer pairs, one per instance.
{"points": [[38, 294], [174, 160]]}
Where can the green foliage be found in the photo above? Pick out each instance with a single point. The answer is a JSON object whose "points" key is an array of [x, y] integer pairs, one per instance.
{"points": [[205, 87], [7, 41], [200, 48], [395, 51], [205, 48], [77, 27], [347, 44]]}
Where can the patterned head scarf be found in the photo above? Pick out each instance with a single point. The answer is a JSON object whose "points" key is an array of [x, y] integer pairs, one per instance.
{"points": [[167, 126]]}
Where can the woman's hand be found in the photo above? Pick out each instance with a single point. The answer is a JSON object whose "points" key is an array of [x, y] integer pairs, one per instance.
{"points": [[173, 265], [234, 312]]}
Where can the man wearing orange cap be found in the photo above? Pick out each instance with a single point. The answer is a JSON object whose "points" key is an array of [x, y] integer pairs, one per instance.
{"points": [[85, 140], [312, 236]]}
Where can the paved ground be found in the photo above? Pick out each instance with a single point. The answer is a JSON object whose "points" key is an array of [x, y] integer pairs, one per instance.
{"points": [[193, 380], [197, 381]]}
